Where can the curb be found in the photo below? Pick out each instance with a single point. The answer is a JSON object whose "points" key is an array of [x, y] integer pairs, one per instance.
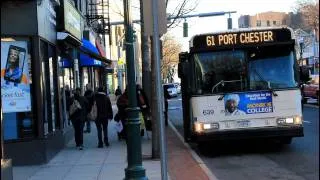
{"points": [[203, 166], [311, 105]]}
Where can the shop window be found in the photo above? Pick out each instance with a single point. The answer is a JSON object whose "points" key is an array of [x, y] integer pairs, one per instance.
{"points": [[65, 82], [53, 86], [49, 80], [16, 89]]}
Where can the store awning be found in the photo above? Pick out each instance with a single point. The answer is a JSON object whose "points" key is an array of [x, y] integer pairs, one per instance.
{"points": [[65, 63], [90, 54]]}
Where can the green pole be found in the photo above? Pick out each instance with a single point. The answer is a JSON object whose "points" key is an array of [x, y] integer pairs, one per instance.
{"points": [[135, 170]]}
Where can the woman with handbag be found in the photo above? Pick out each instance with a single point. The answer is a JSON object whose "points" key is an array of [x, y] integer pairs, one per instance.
{"points": [[78, 111]]}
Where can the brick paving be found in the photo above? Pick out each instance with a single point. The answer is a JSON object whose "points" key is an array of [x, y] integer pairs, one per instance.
{"points": [[181, 164]]}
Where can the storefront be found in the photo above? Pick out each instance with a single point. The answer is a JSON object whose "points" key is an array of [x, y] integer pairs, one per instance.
{"points": [[32, 117], [91, 69]]}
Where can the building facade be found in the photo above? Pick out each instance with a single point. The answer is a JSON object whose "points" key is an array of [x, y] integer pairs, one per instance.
{"points": [[41, 53], [265, 19]]}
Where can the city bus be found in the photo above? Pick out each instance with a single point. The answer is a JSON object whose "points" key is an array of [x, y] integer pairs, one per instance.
{"points": [[242, 84]]}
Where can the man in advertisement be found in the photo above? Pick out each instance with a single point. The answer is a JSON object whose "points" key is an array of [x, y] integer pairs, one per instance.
{"points": [[231, 105]]}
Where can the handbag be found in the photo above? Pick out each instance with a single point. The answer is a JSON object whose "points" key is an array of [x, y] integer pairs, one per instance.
{"points": [[75, 106], [94, 112], [119, 126]]}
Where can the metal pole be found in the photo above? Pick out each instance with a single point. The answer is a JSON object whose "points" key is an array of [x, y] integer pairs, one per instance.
{"points": [[314, 51], [2, 141], [156, 54], [135, 170]]}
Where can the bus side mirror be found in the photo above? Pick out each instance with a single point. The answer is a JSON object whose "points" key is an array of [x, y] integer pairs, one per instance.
{"points": [[304, 74], [183, 64]]}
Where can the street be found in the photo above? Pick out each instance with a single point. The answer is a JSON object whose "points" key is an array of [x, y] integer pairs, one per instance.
{"points": [[261, 160]]}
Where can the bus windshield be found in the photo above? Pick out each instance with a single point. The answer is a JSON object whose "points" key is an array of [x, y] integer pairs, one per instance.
{"points": [[243, 70]]}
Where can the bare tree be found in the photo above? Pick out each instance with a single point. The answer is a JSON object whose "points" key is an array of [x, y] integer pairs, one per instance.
{"points": [[183, 7], [309, 9], [170, 56]]}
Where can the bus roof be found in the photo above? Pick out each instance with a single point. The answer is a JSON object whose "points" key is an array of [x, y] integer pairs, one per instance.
{"points": [[239, 30]]}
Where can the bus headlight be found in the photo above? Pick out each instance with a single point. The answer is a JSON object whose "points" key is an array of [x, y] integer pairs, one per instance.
{"points": [[290, 120], [297, 120], [198, 127], [206, 126]]}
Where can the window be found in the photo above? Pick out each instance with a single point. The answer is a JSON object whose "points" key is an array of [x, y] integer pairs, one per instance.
{"points": [[16, 89], [284, 22], [268, 23], [274, 22], [219, 72], [258, 23], [271, 68]]}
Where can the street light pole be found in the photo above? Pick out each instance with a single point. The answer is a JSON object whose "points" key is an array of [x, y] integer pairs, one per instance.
{"points": [[135, 170]]}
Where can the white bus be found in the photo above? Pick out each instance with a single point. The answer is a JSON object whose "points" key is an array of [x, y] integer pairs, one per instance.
{"points": [[241, 84]]}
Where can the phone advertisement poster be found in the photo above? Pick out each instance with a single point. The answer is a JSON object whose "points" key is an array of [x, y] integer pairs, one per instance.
{"points": [[15, 79], [248, 103]]}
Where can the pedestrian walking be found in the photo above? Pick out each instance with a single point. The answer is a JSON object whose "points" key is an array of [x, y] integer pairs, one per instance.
{"points": [[166, 104], [89, 94], [121, 116], [118, 92], [78, 111], [104, 114], [144, 106], [67, 92]]}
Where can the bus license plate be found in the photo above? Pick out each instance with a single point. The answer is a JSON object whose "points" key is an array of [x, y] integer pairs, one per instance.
{"points": [[244, 123]]}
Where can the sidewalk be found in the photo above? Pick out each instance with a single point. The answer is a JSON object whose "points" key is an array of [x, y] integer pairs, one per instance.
{"points": [[94, 163]]}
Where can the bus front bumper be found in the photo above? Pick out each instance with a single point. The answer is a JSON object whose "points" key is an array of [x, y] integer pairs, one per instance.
{"points": [[272, 132]]}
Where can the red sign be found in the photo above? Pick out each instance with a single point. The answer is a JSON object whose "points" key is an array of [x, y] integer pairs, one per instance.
{"points": [[100, 48]]}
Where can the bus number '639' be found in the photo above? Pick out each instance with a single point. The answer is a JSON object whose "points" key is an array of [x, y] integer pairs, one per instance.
{"points": [[208, 112]]}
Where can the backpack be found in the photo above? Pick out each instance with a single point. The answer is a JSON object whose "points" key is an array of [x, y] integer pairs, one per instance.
{"points": [[75, 106], [94, 112]]}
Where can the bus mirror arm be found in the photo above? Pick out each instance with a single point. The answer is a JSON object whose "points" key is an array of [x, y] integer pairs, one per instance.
{"points": [[221, 97]]}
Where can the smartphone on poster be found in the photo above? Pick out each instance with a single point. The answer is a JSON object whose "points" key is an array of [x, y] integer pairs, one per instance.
{"points": [[15, 63]]}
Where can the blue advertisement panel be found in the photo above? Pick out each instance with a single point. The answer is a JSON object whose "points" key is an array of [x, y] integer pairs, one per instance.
{"points": [[15, 80], [248, 103]]}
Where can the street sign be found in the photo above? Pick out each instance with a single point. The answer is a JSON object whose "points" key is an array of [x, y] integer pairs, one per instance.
{"points": [[147, 17]]}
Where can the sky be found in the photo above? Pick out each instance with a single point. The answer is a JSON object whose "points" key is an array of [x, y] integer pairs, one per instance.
{"points": [[219, 23]]}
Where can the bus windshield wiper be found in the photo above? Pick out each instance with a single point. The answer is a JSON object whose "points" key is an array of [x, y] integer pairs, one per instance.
{"points": [[265, 81]]}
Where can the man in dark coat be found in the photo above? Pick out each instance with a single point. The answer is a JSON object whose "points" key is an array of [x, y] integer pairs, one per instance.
{"points": [[89, 95], [104, 111], [78, 118]]}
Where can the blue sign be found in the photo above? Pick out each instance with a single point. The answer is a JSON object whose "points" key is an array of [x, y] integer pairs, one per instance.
{"points": [[248, 103]]}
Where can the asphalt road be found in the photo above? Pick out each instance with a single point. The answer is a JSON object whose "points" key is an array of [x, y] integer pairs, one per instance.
{"points": [[256, 160]]}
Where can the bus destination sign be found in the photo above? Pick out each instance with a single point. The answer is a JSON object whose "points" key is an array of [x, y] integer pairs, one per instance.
{"points": [[241, 38]]}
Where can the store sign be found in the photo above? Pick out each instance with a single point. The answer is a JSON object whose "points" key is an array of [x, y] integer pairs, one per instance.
{"points": [[15, 86], [72, 20]]}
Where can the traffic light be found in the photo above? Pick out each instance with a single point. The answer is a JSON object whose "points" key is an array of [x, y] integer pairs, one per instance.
{"points": [[229, 23], [185, 29]]}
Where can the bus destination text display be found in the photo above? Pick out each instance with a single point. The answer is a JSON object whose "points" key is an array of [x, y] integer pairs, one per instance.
{"points": [[241, 38]]}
